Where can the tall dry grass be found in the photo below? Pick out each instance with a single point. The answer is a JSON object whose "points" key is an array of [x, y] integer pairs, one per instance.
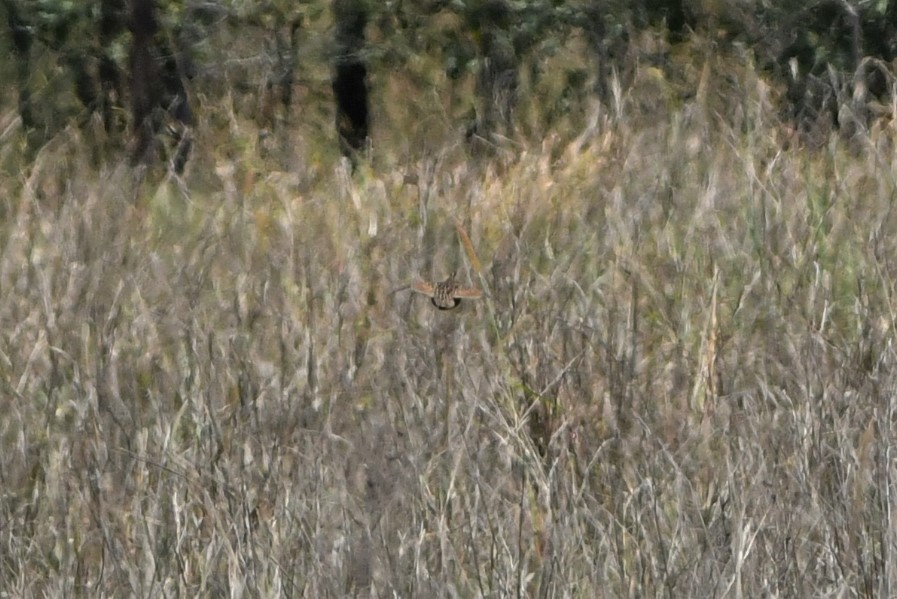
{"points": [[681, 381]]}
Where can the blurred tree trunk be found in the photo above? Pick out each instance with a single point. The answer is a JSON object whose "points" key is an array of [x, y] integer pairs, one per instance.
{"points": [[498, 76], [286, 62], [157, 89], [277, 100], [112, 23], [498, 73], [669, 12], [22, 39], [146, 86], [176, 103], [350, 77]]}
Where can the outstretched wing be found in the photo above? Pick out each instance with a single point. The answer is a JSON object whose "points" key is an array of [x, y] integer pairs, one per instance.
{"points": [[468, 293], [424, 287]]}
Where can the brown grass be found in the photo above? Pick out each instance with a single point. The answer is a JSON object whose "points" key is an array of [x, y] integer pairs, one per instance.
{"points": [[680, 382]]}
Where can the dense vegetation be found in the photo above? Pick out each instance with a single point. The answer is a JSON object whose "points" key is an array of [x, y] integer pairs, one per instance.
{"points": [[680, 382]]}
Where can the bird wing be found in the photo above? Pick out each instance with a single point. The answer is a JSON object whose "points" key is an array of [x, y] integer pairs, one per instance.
{"points": [[468, 293], [424, 287]]}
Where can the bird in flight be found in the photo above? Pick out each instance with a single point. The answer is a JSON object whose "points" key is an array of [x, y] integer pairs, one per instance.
{"points": [[447, 294]]}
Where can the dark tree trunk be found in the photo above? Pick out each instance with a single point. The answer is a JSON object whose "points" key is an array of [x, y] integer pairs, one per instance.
{"points": [[891, 28], [112, 23], [85, 85], [177, 103], [287, 59], [146, 86], [498, 76], [22, 39], [669, 12], [157, 89], [350, 86]]}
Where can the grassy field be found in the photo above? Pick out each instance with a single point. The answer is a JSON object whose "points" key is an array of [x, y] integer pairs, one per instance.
{"points": [[680, 381]]}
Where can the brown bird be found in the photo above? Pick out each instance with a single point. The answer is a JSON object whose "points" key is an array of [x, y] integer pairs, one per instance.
{"points": [[447, 294]]}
